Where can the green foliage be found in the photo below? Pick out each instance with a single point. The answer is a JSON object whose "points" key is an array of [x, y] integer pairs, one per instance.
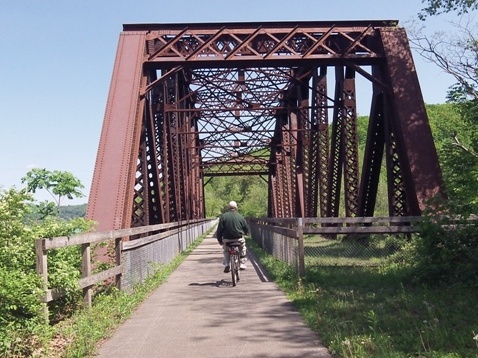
{"points": [[20, 286], [23, 327], [436, 7], [250, 192], [459, 167], [57, 183], [446, 251], [465, 99]]}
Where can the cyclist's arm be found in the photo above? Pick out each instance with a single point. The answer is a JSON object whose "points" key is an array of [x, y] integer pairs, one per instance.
{"points": [[220, 231]]}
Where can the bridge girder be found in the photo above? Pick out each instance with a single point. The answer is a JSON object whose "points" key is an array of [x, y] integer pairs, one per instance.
{"points": [[190, 101]]}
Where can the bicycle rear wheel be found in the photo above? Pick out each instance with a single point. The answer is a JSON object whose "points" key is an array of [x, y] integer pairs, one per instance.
{"points": [[234, 269]]}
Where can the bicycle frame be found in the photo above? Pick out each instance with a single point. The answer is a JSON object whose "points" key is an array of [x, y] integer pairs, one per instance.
{"points": [[234, 261]]}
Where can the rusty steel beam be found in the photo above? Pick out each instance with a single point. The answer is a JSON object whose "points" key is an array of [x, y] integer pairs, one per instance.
{"points": [[336, 158], [414, 142], [351, 170], [111, 193], [372, 157], [214, 44], [320, 141], [192, 101]]}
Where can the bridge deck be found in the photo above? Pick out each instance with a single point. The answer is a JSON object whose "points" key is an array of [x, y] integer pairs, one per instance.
{"points": [[197, 313]]}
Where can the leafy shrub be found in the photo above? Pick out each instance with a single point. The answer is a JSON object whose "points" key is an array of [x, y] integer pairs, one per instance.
{"points": [[22, 322], [20, 286], [446, 250]]}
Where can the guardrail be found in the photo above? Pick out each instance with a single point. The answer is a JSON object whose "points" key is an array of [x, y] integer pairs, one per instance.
{"points": [[148, 234]]}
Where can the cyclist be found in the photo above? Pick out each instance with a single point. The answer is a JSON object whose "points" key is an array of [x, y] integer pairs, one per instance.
{"points": [[231, 228]]}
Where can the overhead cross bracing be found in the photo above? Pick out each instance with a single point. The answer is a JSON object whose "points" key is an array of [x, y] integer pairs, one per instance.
{"points": [[235, 111], [191, 101]]}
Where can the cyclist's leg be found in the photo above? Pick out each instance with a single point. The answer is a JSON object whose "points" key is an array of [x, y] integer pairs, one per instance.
{"points": [[243, 250], [225, 252], [243, 253]]}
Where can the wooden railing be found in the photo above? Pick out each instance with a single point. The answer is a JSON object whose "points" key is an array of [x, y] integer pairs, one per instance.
{"points": [[88, 279]]}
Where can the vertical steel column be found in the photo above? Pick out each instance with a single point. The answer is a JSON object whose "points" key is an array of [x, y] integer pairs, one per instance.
{"points": [[287, 170], [418, 157], [344, 150], [373, 156], [273, 205], [397, 197], [147, 209], [174, 154], [196, 195], [336, 151], [296, 159], [284, 188], [140, 211], [351, 172], [271, 195], [319, 160], [184, 158], [110, 199], [163, 132], [303, 171], [154, 128]]}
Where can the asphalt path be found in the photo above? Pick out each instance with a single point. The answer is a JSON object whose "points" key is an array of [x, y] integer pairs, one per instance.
{"points": [[198, 313]]}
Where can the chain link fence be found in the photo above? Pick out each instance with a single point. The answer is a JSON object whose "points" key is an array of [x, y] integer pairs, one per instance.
{"points": [[353, 250], [279, 245], [352, 242]]}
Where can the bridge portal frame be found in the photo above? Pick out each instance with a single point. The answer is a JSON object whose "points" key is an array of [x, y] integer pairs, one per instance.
{"points": [[162, 134]]}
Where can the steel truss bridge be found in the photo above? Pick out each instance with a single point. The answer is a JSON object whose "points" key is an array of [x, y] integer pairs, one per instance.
{"points": [[276, 100]]}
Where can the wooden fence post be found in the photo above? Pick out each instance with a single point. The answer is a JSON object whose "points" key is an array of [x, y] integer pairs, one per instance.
{"points": [[300, 238], [86, 272], [118, 243], [42, 270]]}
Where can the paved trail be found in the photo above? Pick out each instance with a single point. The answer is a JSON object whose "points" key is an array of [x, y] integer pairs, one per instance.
{"points": [[197, 313]]}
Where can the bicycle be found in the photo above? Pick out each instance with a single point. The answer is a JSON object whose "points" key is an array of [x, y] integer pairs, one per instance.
{"points": [[234, 261]]}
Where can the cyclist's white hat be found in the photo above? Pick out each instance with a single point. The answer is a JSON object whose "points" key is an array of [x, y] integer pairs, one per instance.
{"points": [[232, 205]]}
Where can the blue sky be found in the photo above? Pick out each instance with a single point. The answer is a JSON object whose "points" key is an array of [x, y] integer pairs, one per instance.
{"points": [[56, 60]]}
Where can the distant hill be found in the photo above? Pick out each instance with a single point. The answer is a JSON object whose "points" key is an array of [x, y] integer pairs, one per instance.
{"points": [[73, 211]]}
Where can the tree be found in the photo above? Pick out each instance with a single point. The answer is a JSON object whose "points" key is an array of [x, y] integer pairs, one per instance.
{"points": [[58, 184], [436, 7], [250, 192], [456, 53], [458, 166]]}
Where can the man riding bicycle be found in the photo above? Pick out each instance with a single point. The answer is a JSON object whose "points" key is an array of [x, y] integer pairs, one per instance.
{"points": [[232, 227]]}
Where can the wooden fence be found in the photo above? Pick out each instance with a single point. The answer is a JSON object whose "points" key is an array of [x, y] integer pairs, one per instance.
{"points": [[148, 234]]}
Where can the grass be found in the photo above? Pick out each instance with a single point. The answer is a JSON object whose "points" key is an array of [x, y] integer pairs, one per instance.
{"points": [[78, 336], [349, 251], [367, 311]]}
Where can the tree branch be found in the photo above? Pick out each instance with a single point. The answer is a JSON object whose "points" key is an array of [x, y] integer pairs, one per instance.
{"points": [[457, 143]]}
